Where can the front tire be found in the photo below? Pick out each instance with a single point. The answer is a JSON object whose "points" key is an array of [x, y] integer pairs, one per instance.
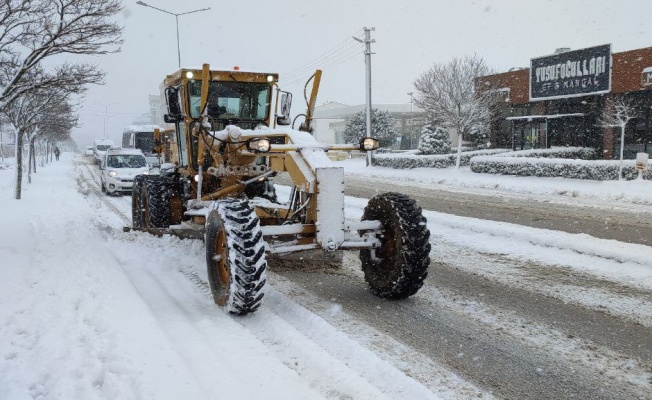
{"points": [[398, 268], [235, 256]]}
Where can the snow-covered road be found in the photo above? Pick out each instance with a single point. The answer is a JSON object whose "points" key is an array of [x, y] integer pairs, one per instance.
{"points": [[90, 312]]}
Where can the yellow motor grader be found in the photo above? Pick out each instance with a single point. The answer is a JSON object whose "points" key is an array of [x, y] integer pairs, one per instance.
{"points": [[229, 135]]}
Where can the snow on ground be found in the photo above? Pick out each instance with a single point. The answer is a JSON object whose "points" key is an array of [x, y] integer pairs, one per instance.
{"points": [[90, 312], [607, 193], [628, 264]]}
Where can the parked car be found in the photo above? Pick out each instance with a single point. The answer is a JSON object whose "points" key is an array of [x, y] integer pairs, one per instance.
{"points": [[118, 169], [89, 151]]}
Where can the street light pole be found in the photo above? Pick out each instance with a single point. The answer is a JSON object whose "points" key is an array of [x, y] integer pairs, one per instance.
{"points": [[411, 118], [106, 114], [176, 16]]}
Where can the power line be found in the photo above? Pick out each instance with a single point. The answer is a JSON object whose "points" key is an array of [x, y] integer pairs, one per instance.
{"points": [[345, 57], [324, 65], [318, 58], [341, 52], [319, 64]]}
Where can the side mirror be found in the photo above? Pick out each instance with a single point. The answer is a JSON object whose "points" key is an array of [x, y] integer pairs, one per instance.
{"points": [[173, 102], [283, 117]]}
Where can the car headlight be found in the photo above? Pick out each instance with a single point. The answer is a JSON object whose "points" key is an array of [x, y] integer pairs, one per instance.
{"points": [[112, 173], [258, 145], [145, 172], [367, 144]]}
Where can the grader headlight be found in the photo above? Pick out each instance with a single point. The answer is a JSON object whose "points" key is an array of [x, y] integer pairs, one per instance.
{"points": [[258, 145], [368, 144]]}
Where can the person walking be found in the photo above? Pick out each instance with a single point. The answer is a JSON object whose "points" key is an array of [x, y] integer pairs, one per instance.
{"points": [[56, 153]]}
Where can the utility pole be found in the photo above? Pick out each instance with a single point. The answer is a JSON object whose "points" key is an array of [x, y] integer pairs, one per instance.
{"points": [[367, 60], [106, 115], [411, 118]]}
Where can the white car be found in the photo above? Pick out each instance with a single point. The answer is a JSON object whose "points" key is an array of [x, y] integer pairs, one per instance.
{"points": [[89, 151], [118, 169], [100, 146]]}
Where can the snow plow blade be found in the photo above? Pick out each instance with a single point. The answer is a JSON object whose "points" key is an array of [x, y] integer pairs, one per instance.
{"points": [[181, 233]]}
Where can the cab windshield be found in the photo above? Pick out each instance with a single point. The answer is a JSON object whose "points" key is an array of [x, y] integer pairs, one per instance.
{"points": [[126, 161], [243, 103]]}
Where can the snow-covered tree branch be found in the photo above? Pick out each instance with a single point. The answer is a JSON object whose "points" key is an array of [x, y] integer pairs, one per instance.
{"points": [[383, 127], [434, 140], [32, 31], [447, 93]]}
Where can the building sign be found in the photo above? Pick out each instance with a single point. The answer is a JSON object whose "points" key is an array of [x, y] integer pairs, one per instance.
{"points": [[570, 74]]}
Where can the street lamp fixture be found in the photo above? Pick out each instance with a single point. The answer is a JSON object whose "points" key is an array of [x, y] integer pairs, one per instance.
{"points": [[176, 15]]}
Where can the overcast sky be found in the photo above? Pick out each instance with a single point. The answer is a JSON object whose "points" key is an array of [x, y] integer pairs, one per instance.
{"points": [[294, 37]]}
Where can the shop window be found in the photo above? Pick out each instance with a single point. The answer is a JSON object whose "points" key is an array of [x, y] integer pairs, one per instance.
{"points": [[646, 76]]}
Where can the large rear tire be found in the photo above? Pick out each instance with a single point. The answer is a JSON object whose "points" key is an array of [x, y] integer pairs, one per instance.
{"points": [[235, 256], [150, 202], [138, 203], [398, 268]]}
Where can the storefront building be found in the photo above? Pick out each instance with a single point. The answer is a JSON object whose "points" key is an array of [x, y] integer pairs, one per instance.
{"points": [[559, 100]]}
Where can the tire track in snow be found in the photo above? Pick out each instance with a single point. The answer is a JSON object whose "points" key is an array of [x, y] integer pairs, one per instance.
{"points": [[292, 321], [507, 366], [201, 332], [331, 374], [95, 187]]}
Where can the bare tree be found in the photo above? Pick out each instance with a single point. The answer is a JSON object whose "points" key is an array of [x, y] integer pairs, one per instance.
{"points": [[31, 113], [617, 113], [447, 93], [55, 126], [32, 31]]}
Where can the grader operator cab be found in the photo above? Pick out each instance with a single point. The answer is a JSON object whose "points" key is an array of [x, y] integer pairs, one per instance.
{"points": [[230, 137]]}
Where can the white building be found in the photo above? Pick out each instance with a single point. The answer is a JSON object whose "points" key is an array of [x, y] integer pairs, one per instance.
{"points": [[330, 121]]}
